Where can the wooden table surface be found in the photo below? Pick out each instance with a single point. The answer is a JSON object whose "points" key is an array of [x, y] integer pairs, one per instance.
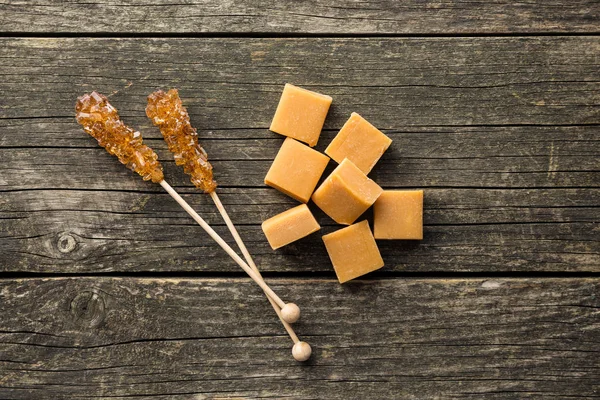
{"points": [[109, 290]]}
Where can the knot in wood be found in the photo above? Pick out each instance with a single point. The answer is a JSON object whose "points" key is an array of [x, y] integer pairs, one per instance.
{"points": [[66, 243], [88, 308]]}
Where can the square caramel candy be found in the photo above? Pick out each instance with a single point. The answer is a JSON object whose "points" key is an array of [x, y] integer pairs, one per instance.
{"points": [[300, 114], [353, 251], [296, 170], [289, 226], [398, 214], [346, 193], [359, 142]]}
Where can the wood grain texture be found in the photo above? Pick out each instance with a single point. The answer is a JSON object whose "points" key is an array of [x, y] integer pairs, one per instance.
{"points": [[306, 16], [216, 338], [501, 132], [518, 195], [470, 230], [235, 82], [450, 157]]}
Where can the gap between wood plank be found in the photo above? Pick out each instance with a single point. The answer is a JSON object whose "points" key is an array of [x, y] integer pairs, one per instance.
{"points": [[378, 275], [274, 35]]}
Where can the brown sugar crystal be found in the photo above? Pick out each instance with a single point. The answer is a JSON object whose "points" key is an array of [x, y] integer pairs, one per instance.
{"points": [[101, 120], [301, 114], [346, 193], [353, 251], [296, 170], [360, 142], [398, 214], [289, 226], [166, 111]]}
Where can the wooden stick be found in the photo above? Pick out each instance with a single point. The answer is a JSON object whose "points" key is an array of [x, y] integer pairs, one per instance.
{"points": [[259, 281], [249, 260], [301, 350]]}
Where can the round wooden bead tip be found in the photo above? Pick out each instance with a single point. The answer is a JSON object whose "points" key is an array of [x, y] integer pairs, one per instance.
{"points": [[290, 313], [301, 351]]}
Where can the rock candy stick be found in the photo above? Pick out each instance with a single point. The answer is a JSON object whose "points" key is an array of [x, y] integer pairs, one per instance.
{"points": [[101, 120], [166, 111]]}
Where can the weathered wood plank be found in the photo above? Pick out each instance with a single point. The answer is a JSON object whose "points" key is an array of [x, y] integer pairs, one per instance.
{"points": [[307, 16], [493, 157], [499, 198], [214, 338], [236, 83], [465, 230]]}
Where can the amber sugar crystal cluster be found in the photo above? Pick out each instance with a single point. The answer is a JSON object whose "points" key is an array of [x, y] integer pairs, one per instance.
{"points": [[166, 111], [345, 194], [101, 121]]}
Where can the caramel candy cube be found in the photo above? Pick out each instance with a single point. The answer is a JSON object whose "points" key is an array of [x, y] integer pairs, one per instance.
{"points": [[301, 114], [296, 170], [346, 193], [359, 142], [353, 251], [290, 226], [398, 214]]}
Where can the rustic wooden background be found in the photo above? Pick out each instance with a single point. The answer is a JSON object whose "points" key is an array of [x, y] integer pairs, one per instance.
{"points": [[109, 290]]}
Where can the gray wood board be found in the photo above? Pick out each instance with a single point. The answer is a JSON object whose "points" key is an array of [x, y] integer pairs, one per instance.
{"points": [[470, 230], [57, 154], [236, 82], [307, 16], [218, 338], [520, 197]]}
